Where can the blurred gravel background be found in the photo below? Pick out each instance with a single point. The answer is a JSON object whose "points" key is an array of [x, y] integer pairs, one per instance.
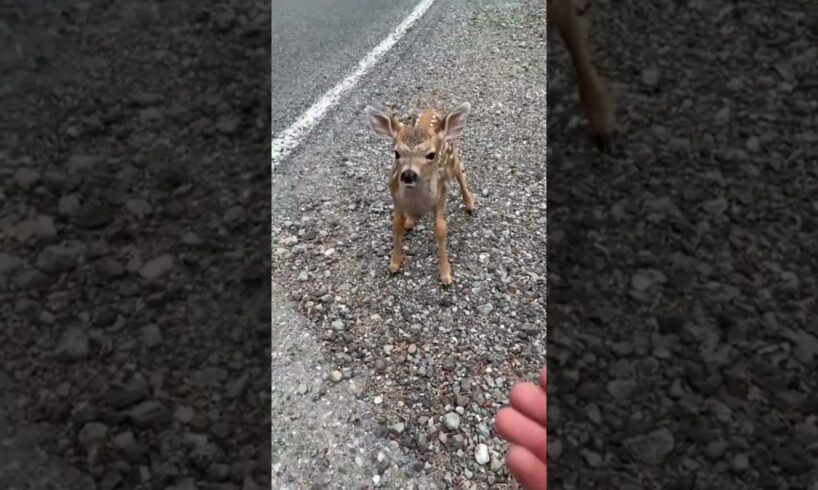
{"points": [[133, 281], [682, 276]]}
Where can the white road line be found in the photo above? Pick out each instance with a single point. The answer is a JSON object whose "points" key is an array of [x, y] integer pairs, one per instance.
{"points": [[290, 138]]}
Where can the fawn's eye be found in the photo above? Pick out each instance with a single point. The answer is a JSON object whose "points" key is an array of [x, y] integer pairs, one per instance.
{"points": [[430, 156], [397, 156]]}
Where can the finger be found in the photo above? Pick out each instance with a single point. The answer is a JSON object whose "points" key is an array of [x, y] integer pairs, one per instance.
{"points": [[516, 428], [527, 469], [530, 400]]}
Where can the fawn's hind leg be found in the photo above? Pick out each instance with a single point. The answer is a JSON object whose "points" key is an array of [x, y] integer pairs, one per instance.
{"points": [[465, 192], [596, 100]]}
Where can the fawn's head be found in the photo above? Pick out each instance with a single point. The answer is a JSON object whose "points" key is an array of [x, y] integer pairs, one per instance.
{"points": [[418, 146]]}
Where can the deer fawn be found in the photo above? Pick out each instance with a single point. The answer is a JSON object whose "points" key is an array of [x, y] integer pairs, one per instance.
{"points": [[568, 16], [427, 157]]}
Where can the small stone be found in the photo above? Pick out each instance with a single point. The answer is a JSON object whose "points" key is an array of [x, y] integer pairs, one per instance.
{"points": [[723, 114], [753, 144], [486, 308], [651, 448], [554, 448], [56, 259], [593, 459], [338, 325], [69, 205], [451, 421], [26, 178], [42, 227], [740, 463], [110, 480], [397, 427], [234, 216], [302, 389], [303, 276], [481, 454], [184, 414], [110, 268], [124, 441], [148, 413], [28, 229], [387, 349], [157, 267], [124, 395], [650, 76], [151, 336], [151, 114], [138, 207], [641, 282], [377, 400], [336, 376], [81, 163], [228, 125], [73, 345], [620, 389], [235, 388], [92, 434], [92, 216], [715, 449], [461, 400], [412, 348], [9, 264], [716, 206]]}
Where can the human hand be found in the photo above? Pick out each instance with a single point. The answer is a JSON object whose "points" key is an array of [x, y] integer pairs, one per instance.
{"points": [[523, 424]]}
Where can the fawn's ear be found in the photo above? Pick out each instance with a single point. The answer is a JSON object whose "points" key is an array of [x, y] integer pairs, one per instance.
{"points": [[383, 125], [452, 126]]}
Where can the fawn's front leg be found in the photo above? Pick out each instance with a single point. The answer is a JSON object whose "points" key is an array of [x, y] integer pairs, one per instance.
{"points": [[398, 223], [440, 236]]}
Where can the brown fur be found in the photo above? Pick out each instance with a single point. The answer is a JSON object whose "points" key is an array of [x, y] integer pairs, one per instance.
{"points": [[431, 133], [597, 101]]}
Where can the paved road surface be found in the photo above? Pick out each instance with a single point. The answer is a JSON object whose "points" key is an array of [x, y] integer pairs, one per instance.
{"points": [[317, 43]]}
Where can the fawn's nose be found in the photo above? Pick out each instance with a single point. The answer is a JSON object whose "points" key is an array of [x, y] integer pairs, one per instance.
{"points": [[408, 176]]}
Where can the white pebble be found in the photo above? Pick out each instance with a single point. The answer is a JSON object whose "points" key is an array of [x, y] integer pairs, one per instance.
{"points": [[481, 454]]}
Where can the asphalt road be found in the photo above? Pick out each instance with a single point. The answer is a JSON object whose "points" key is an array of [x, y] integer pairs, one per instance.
{"points": [[317, 43]]}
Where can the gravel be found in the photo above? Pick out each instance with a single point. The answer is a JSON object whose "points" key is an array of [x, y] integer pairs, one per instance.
{"points": [[130, 256], [431, 355], [682, 271]]}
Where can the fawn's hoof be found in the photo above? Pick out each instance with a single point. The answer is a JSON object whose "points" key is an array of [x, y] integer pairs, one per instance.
{"points": [[471, 212], [409, 223], [446, 279], [394, 267], [606, 142]]}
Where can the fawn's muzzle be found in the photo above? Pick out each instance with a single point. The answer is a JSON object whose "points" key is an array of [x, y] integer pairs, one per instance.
{"points": [[409, 177]]}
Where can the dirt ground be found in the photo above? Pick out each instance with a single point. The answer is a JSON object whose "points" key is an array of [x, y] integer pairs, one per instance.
{"points": [[134, 244]]}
